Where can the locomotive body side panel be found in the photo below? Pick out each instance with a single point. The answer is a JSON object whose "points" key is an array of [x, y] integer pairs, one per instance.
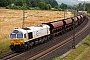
{"points": [[40, 31]]}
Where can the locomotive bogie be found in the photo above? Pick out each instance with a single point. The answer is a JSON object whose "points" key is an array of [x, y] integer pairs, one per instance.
{"points": [[17, 48]]}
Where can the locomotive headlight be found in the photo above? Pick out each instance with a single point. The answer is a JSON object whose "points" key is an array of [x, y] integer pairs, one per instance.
{"points": [[22, 41], [11, 42]]}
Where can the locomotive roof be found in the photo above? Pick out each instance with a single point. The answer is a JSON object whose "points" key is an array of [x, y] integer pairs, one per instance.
{"points": [[30, 29], [38, 27], [19, 30]]}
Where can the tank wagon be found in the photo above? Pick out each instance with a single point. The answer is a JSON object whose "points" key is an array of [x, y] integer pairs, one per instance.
{"points": [[24, 38]]}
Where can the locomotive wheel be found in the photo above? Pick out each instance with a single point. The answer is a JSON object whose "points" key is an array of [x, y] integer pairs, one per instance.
{"points": [[31, 44], [36, 42], [28, 46]]}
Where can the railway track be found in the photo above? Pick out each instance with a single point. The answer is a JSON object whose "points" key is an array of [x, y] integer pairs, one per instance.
{"points": [[57, 46], [8, 55], [42, 50]]}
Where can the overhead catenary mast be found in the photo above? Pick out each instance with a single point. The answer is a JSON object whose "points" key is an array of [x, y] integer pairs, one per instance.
{"points": [[23, 23], [84, 6], [23, 19]]}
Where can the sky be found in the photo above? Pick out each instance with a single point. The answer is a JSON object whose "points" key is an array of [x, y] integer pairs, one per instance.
{"points": [[71, 2]]}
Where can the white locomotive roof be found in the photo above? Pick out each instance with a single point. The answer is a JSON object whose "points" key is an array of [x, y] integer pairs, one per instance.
{"points": [[32, 28], [36, 28], [21, 30]]}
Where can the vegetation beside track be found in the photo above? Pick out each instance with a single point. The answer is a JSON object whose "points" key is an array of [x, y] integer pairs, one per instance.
{"points": [[4, 47], [80, 53]]}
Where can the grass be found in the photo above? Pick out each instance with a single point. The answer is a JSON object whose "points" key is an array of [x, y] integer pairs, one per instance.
{"points": [[4, 45], [85, 56], [4, 48], [78, 51]]}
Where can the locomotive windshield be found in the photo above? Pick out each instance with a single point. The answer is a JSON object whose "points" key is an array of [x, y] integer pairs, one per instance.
{"points": [[19, 35], [16, 35], [13, 36]]}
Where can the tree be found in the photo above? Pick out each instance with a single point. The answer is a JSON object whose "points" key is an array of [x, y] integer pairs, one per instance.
{"points": [[28, 2], [63, 6], [42, 5], [79, 6], [19, 2], [24, 7], [48, 7], [54, 3], [87, 6], [75, 7], [88, 11], [56, 7], [3, 3], [46, 4], [34, 3]]}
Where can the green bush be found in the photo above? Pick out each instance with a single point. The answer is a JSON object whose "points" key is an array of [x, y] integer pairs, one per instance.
{"points": [[54, 9], [17, 7], [36, 8], [14, 7], [88, 11], [59, 9]]}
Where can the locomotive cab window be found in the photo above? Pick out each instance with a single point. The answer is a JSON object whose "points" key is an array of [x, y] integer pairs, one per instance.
{"points": [[30, 35], [24, 35], [12, 35], [19, 35]]}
